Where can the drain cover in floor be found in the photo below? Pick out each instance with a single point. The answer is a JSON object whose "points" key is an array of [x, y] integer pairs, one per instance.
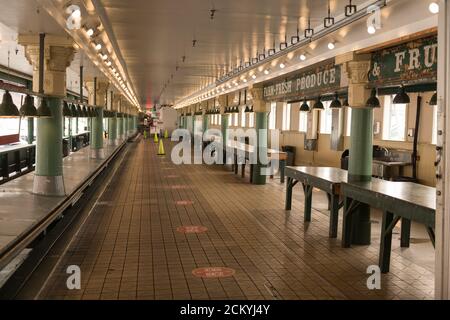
{"points": [[213, 272], [192, 229]]}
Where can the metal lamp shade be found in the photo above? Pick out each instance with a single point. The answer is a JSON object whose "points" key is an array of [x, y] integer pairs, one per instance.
{"points": [[401, 97], [44, 111], [433, 101], [28, 109], [74, 111], [336, 103], [304, 107], [318, 105], [373, 101], [7, 108], [67, 112]]}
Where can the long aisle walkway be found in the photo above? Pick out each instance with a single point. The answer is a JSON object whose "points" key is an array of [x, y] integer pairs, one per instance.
{"points": [[134, 246]]}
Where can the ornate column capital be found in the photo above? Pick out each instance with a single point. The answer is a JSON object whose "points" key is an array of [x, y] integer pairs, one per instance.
{"points": [[356, 67], [58, 54], [102, 88], [259, 104]]}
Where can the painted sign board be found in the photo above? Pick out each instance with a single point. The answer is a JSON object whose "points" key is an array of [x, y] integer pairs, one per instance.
{"points": [[321, 78], [415, 60]]}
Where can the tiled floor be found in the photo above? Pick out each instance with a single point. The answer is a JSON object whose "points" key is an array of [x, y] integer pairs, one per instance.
{"points": [[130, 248]]}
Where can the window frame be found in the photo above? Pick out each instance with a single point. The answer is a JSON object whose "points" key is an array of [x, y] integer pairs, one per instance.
{"points": [[273, 116], [387, 121], [326, 118]]}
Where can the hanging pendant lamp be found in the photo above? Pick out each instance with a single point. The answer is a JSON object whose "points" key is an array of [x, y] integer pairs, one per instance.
{"points": [[304, 107], [336, 103], [7, 108], [44, 111], [28, 110], [318, 105], [373, 101], [401, 97]]}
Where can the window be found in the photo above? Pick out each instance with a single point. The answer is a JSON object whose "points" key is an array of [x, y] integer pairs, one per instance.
{"points": [[230, 119], [303, 121], [235, 119], [394, 120], [348, 129], [243, 118], [326, 118], [212, 118], [251, 119], [434, 133], [273, 116], [219, 119], [286, 117]]}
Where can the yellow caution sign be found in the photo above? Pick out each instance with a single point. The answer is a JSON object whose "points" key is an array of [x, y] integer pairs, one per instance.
{"points": [[161, 151], [145, 134], [166, 134], [155, 138]]}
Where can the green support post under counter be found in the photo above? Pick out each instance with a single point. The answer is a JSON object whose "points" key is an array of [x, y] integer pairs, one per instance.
{"points": [[360, 168]]}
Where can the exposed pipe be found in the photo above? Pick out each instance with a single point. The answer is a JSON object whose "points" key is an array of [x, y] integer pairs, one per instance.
{"points": [[41, 62], [95, 91], [416, 137], [81, 84]]}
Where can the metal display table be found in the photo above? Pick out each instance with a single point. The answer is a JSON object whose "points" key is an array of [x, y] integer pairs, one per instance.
{"points": [[248, 150], [398, 200], [324, 178]]}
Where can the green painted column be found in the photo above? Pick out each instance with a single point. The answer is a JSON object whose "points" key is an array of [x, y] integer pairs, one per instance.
{"points": [[223, 129], [120, 127], [261, 138], [97, 150], [49, 156], [205, 122], [30, 135], [112, 131], [360, 168], [70, 135], [125, 126], [130, 126]]}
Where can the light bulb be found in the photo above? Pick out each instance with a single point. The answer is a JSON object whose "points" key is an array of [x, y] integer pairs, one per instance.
{"points": [[434, 8], [371, 30], [266, 71], [302, 57], [90, 32], [98, 46], [254, 76], [282, 65], [76, 14], [331, 45]]}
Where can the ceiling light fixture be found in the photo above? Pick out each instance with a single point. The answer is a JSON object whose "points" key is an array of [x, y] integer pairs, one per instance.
{"points": [[350, 9], [303, 57], [434, 8], [98, 46], [282, 65], [90, 32], [266, 71], [329, 20], [254, 76], [331, 45], [309, 32], [371, 29]]}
